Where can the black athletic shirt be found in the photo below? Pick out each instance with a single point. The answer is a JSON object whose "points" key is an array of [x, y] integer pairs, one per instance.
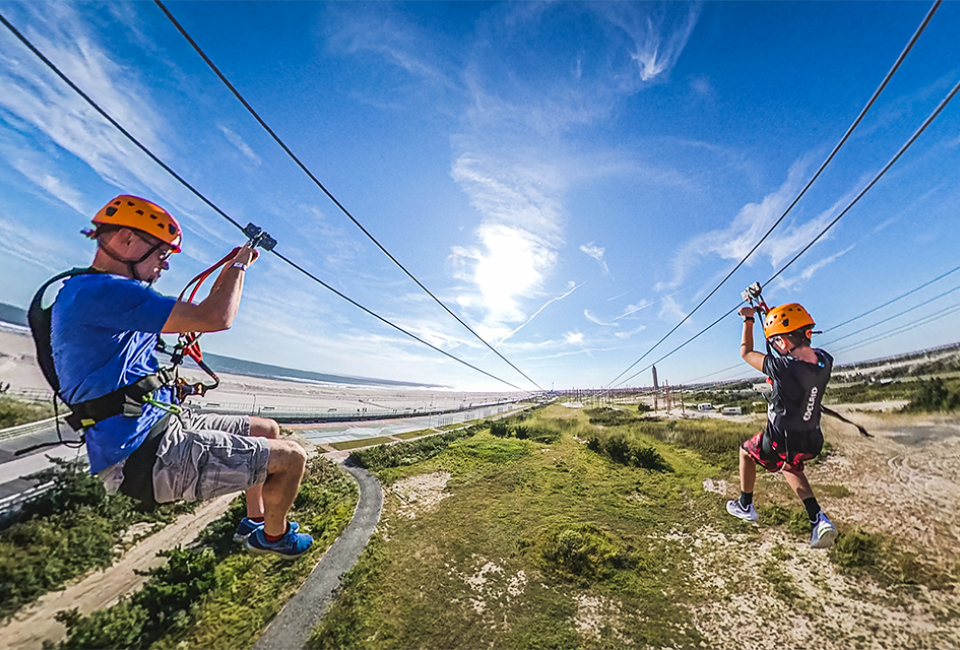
{"points": [[798, 389]]}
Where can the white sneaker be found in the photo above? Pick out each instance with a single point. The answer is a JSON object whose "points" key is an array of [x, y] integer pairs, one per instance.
{"points": [[824, 532], [748, 514]]}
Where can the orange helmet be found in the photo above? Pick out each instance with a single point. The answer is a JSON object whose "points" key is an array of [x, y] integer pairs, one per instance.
{"points": [[785, 319], [139, 214]]}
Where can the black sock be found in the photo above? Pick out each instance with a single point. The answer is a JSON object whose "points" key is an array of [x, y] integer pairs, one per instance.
{"points": [[813, 508], [746, 498]]}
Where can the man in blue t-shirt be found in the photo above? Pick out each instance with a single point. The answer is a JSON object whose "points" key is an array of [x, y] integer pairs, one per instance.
{"points": [[104, 328], [799, 374]]}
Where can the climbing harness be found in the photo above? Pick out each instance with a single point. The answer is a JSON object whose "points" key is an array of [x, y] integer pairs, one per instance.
{"points": [[130, 399], [753, 295]]}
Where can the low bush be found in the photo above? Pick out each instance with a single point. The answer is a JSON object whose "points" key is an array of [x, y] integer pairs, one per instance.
{"points": [[933, 396], [582, 553], [621, 451], [855, 550], [14, 412], [410, 452], [70, 528], [609, 417]]}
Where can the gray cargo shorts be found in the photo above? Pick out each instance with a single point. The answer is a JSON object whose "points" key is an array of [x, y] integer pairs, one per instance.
{"points": [[204, 456]]}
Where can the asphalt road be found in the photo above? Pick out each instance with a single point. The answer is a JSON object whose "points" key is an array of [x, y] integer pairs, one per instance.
{"points": [[292, 626]]}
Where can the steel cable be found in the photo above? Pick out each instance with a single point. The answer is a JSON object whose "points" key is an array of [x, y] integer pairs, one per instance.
{"points": [[216, 209], [320, 185]]}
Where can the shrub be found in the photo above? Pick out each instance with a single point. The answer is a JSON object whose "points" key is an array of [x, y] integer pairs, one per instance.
{"points": [[521, 432], [72, 527], [933, 395], [14, 412], [856, 549], [409, 452], [498, 429], [582, 553]]}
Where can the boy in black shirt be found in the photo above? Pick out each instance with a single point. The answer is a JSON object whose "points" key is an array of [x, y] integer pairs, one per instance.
{"points": [[799, 374]]}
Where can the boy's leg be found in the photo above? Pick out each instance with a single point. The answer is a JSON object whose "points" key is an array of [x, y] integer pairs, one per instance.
{"points": [[748, 472], [824, 532]]}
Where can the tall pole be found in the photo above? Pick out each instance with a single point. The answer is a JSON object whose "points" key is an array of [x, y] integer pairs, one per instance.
{"points": [[656, 389]]}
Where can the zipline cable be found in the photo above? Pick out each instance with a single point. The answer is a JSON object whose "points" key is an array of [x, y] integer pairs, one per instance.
{"points": [[898, 330], [890, 302], [317, 182], [923, 127], [890, 318], [223, 214], [855, 318], [843, 140]]}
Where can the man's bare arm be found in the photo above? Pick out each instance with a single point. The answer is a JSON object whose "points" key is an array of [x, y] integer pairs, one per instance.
{"points": [[217, 311]]}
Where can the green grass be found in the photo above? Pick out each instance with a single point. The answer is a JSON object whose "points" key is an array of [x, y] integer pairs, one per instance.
{"points": [[217, 595], [14, 412], [414, 434], [568, 520], [357, 444]]}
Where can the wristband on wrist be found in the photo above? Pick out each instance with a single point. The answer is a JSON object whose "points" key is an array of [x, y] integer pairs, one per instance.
{"points": [[749, 319], [239, 265]]}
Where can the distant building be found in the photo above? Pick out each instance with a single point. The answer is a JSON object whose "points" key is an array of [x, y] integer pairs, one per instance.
{"points": [[732, 410], [705, 407]]}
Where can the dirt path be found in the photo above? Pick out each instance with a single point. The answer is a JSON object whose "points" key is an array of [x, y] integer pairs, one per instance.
{"points": [[905, 480], [35, 624], [291, 629]]}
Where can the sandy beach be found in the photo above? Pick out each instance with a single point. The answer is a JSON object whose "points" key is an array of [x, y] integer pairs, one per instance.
{"points": [[263, 396]]}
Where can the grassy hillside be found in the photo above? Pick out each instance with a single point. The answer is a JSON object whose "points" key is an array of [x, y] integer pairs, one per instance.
{"points": [[611, 537]]}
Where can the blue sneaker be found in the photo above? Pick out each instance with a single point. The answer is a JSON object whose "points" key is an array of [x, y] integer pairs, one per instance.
{"points": [[291, 545], [824, 532], [248, 526]]}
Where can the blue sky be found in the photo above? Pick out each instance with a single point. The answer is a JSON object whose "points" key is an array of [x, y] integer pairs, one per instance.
{"points": [[570, 178]]}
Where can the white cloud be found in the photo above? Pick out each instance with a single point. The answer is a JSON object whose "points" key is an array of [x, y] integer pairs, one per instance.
{"points": [[807, 273], [590, 317], [596, 253], [751, 223], [241, 144], [573, 338], [671, 310], [633, 309], [659, 33], [627, 335], [573, 287], [53, 184]]}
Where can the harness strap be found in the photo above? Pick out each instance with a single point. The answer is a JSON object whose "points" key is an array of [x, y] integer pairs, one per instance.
{"points": [[127, 401], [138, 470]]}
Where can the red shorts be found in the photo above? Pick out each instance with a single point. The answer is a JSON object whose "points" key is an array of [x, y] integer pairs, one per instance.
{"points": [[766, 454]]}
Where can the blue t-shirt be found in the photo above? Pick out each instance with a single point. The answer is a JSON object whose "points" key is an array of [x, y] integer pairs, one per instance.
{"points": [[104, 329]]}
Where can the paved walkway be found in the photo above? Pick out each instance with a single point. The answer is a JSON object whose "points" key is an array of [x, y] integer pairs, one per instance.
{"points": [[292, 626]]}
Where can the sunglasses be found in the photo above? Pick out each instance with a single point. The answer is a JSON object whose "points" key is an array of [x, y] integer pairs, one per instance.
{"points": [[164, 254]]}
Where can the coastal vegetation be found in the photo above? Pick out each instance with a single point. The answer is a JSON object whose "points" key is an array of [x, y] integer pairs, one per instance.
{"points": [[14, 412], [603, 538], [215, 594]]}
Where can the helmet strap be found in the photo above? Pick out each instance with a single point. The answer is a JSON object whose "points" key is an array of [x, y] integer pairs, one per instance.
{"points": [[131, 263]]}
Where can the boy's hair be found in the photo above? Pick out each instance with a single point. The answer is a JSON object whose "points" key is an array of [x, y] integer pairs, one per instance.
{"points": [[799, 338]]}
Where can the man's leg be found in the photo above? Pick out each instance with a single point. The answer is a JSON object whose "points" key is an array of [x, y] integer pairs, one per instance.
{"points": [[260, 428], [284, 471]]}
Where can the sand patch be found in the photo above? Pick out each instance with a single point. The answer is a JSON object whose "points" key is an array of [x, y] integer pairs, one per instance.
{"points": [[419, 494]]}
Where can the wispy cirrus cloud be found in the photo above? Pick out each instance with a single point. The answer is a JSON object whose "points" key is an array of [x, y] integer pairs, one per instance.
{"points": [[234, 138], [596, 253], [572, 287]]}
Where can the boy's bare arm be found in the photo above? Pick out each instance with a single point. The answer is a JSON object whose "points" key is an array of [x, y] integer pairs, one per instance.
{"points": [[749, 355]]}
